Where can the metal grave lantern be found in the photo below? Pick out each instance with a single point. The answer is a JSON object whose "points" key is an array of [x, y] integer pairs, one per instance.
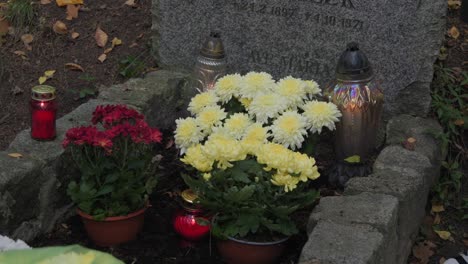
{"points": [[210, 64], [360, 100]]}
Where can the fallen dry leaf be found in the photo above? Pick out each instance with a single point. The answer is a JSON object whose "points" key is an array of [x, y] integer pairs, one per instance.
{"points": [[101, 37], [42, 79], [140, 36], [437, 208], [116, 42], [27, 39], [409, 143], [454, 4], [130, 2], [19, 53], [102, 58], [453, 32], [69, 2], [49, 73], [72, 11], [60, 27], [423, 251], [15, 155], [437, 219], [74, 67], [459, 122], [134, 44], [45, 2], [108, 50], [16, 90], [445, 235], [75, 35]]}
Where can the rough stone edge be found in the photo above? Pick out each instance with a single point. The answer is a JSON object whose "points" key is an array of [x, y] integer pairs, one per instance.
{"points": [[28, 229], [403, 247]]}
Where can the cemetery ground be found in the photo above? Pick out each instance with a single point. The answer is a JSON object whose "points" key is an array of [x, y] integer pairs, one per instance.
{"points": [[32, 46], [80, 68]]}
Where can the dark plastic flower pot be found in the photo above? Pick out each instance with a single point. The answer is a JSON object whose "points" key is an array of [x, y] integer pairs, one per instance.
{"points": [[113, 230], [235, 251]]}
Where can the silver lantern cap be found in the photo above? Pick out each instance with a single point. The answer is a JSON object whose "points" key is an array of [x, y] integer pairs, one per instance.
{"points": [[210, 64], [353, 65]]}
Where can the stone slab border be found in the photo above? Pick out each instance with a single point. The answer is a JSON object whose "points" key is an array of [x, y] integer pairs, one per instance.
{"points": [[378, 217]]}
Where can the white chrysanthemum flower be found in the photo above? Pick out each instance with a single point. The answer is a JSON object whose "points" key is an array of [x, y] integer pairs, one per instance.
{"points": [[256, 83], [187, 133], [289, 129], [257, 132], [312, 88], [266, 106], [228, 86], [236, 124], [321, 114], [209, 117], [202, 100], [293, 90]]}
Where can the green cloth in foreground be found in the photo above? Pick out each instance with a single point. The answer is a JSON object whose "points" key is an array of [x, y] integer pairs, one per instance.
{"points": [[74, 254]]}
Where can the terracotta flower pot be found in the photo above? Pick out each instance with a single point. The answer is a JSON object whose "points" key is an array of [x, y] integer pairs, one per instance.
{"points": [[235, 251], [113, 230]]}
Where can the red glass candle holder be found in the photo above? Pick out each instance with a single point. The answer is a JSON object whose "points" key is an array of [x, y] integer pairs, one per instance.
{"points": [[43, 112], [185, 219]]}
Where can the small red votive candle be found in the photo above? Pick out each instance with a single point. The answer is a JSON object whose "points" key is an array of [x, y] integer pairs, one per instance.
{"points": [[185, 219], [43, 112]]}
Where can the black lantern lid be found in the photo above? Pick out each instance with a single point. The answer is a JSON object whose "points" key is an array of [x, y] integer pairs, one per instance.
{"points": [[353, 64], [213, 47]]}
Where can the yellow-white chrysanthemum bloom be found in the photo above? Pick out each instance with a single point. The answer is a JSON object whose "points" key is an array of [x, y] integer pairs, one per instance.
{"points": [[256, 83], [228, 86], [245, 102], [187, 133], [237, 124], [264, 106], [312, 88], [224, 150], [293, 90], [209, 117], [196, 158], [71, 258], [202, 100], [255, 136], [304, 166], [274, 156], [283, 179], [289, 129], [321, 114]]}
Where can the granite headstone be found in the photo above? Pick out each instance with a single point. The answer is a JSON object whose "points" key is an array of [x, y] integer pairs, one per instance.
{"points": [[304, 38]]}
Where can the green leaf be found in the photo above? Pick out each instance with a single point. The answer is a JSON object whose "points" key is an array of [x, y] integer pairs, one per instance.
{"points": [[104, 190], [353, 159]]}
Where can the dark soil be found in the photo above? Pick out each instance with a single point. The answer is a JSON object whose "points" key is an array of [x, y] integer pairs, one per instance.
{"points": [[51, 51]]}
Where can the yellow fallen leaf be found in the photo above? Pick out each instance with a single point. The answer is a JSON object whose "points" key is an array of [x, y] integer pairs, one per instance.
{"points": [[74, 67], [75, 35], [69, 2], [453, 32], [108, 50], [437, 208], [445, 235], [102, 58], [436, 219], [101, 37], [49, 73], [116, 42], [42, 79], [27, 38], [15, 155]]}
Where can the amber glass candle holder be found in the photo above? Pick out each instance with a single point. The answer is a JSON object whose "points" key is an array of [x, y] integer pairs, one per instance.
{"points": [[187, 219], [43, 112]]}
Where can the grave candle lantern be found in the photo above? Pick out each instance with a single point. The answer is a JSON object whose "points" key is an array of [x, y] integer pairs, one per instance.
{"points": [[185, 220], [210, 64], [43, 112], [360, 100]]}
